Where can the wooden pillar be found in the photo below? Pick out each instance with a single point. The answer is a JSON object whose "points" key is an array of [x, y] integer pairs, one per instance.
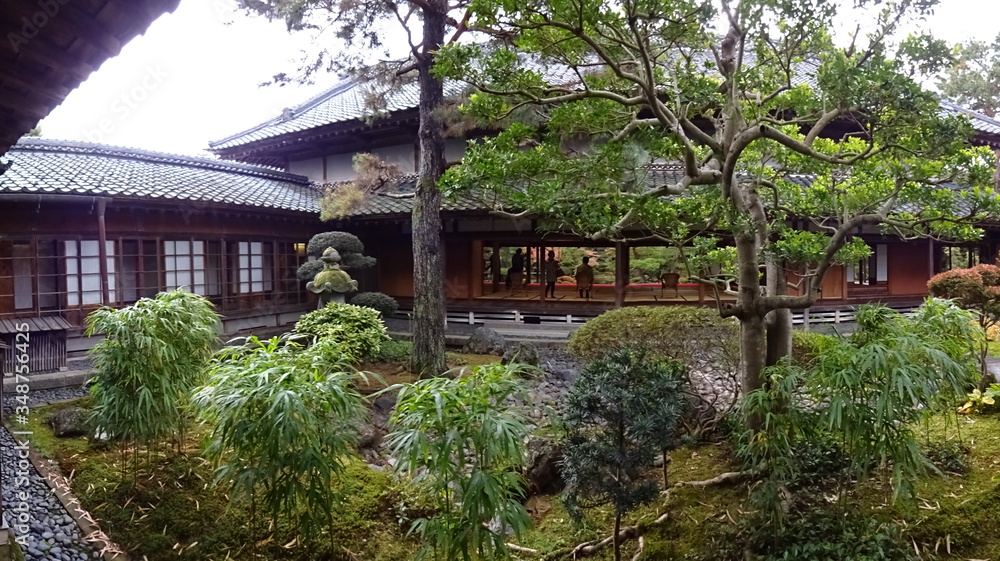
{"points": [[527, 266], [495, 267], [621, 273], [224, 274], [930, 257], [541, 274], [102, 252], [36, 292]]}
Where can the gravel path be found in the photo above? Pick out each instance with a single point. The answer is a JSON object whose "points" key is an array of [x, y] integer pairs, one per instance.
{"points": [[49, 533], [44, 397]]}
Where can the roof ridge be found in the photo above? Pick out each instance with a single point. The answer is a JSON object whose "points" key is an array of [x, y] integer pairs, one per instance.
{"points": [[337, 89], [30, 144], [971, 112]]}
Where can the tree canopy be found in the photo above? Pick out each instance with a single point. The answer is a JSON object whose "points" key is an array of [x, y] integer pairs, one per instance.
{"points": [[678, 120], [973, 78], [360, 30]]}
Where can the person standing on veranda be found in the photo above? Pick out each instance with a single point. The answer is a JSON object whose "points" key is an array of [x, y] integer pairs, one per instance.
{"points": [[551, 274], [585, 277]]}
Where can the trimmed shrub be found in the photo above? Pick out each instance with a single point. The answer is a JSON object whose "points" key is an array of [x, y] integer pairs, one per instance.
{"points": [[343, 242], [683, 333], [349, 247], [385, 304], [807, 346], [357, 330]]}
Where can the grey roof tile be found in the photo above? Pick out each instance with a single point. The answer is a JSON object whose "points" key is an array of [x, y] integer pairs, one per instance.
{"points": [[50, 166], [341, 103], [981, 123]]}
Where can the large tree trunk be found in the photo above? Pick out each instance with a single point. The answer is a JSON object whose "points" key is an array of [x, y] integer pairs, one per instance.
{"points": [[779, 322], [427, 357], [753, 332]]}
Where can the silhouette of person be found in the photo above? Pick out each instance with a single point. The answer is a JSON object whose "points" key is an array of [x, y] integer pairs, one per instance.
{"points": [[585, 277]]}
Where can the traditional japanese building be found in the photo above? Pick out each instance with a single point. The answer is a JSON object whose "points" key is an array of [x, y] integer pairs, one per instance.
{"points": [[85, 225], [319, 138]]}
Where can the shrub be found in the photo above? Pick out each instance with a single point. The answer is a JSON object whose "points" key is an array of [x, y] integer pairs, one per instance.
{"points": [[463, 441], [282, 421], [816, 535], [150, 360], [385, 304], [686, 334], [392, 351], [349, 247], [868, 392], [621, 410], [807, 346], [357, 330]]}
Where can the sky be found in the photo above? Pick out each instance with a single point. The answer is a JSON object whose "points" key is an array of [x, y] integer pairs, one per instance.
{"points": [[194, 77]]}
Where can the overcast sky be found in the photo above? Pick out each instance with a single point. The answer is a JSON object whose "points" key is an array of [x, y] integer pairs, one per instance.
{"points": [[193, 77]]}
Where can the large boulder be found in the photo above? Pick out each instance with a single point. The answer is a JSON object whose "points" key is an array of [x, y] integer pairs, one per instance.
{"points": [[69, 422], [542, 467], [523, 353], [485, 341]]}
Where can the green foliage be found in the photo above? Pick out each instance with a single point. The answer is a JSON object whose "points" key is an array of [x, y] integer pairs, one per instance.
{"points": [[345, 243], [808, 346], [949, 456], [971, 79], [818, 535], [393, 351], [349, 247], [740, 108], [357, 330], [686, 334], [976, 289], [150, 360], [868, 391], [282, 421], [463, 443], [621, 410], [980, 401], [385, 304]]}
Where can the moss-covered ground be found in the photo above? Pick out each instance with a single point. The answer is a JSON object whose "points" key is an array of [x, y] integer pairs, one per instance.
{"points": [[170, 509]]}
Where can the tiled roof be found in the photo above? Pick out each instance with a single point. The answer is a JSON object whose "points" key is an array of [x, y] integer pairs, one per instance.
{"points": [[341, 103], [981, 123], [345, 102], [42, 166]]}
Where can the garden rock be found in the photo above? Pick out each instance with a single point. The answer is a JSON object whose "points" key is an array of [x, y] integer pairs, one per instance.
{"points": [[69, 422], [542, 468], [523, 353], [369, 436], [485, 341], [382, 410]]}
